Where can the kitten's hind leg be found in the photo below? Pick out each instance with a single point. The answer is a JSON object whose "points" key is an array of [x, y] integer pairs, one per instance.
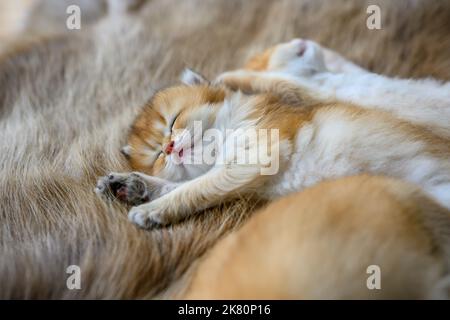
{"points": [[305, 58]]}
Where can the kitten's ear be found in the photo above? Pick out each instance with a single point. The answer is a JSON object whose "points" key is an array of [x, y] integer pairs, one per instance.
{"points": [[126, 151], [192, 78]]}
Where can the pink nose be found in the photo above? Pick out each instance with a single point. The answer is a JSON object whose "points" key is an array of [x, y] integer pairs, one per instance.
{"points": [[169, 147]]}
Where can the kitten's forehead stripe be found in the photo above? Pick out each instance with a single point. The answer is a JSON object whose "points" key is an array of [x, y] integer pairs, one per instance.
{"points": [[152, 143]]}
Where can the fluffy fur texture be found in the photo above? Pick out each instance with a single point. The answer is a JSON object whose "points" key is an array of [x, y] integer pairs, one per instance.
{"points": [[67, 102], [318, 252]]}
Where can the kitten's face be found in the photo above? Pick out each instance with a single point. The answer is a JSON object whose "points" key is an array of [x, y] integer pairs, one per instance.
{"points": [[164, 139], [297, 57]]}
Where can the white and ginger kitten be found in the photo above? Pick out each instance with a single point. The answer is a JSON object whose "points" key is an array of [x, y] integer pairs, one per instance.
{"points": [[330, 77], [305, 135]]}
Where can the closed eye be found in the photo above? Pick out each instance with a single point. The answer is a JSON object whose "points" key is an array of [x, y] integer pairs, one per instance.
{"points": [[171, 128], [173, 121]]}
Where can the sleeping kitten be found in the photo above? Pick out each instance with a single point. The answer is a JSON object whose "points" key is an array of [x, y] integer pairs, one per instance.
{"points": [[329, 76], [316, 139]]}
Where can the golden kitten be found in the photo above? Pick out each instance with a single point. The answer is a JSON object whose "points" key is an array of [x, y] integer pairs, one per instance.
{"points": [[325, 243], [200, 144]]}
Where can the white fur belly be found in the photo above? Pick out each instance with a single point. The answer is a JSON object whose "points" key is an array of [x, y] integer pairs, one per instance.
{"points": [[312, 162], [334, 147]]}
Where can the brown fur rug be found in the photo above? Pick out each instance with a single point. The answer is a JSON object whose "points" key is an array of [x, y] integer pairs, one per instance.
{"points": [[66, 103]]}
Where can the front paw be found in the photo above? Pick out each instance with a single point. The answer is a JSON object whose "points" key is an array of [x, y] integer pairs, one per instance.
{"points": [[149, 216], [126, 187], [238, 80], [230, 78]]}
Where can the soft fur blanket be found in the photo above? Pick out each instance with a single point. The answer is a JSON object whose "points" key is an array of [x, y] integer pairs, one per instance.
{"points": [[66, 103]]}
